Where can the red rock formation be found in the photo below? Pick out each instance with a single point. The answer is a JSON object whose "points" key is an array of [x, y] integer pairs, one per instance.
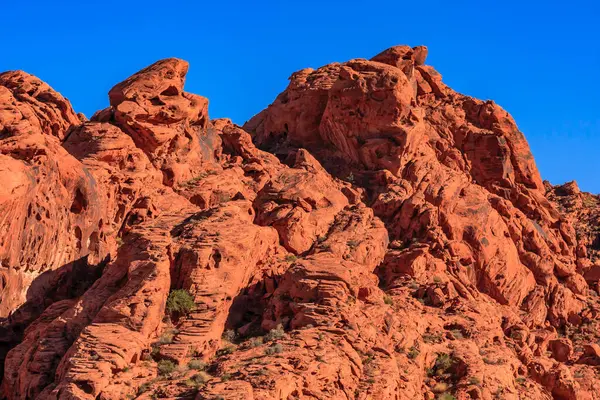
{"points": [[392, 240]]}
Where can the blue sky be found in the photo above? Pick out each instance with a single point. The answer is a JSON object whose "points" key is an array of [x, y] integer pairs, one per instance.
{"points": [[540, 60]]}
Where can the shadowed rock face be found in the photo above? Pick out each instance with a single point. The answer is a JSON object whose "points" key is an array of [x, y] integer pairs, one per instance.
{"points": [[372, 234]]}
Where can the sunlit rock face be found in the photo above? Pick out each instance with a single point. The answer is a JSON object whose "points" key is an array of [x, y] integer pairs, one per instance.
{"points": [[372, 234]]}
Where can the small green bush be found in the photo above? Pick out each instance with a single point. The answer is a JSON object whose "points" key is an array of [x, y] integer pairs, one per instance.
{"points": [[166, 337], [225, 377], [388, 300], [227, 350], [144, 387], [198, 178], [256, 341], [440, 387], [474, 381], [198, 379], [198, 365], [274, 334], [275, 349], [352, 243], [291, 258], [443, 363], [223, 197], [165, 367], [413, 353], [180, 302], [446, 396], [414, 285], [432, 338], [368, 359]]}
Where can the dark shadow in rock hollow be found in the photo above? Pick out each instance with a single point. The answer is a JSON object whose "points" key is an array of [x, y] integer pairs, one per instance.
{"points": [[67, 282]]}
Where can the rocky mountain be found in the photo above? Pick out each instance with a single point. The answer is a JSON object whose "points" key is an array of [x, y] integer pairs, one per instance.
{"points": [[372, 234]]}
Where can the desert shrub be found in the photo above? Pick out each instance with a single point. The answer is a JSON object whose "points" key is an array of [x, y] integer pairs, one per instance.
{"points": [[290, 258], [443, 363], [275, 349], [227, 350], [198, 365], [180, 302], [144, 387], [198, 379], [166, 337], [165, 367], [225, 377], [446, 396], [432, 338], [413, 353], [274, 334], [440, 387], [198, 178], [256, 341], [414, 285], [222, 197], [474, 381], [352, 243]]}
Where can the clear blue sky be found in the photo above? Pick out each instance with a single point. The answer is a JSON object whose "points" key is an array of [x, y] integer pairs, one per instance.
{"points": [[540, 60]]}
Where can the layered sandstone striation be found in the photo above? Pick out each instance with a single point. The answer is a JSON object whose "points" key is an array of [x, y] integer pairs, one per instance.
{"points": [[372, 234]]}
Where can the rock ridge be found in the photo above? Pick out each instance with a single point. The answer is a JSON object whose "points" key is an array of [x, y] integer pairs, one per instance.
{"points": [[371, 234]]}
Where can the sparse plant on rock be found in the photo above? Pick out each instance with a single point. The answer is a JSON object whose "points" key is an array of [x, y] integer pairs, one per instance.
{"points": [[198, 379], [197, 365], [166, 367], [274, 334], [180, 302], [275, 349]]}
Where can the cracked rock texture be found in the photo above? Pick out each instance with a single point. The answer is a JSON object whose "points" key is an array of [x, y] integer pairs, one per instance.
{"points": [[372, 234]]}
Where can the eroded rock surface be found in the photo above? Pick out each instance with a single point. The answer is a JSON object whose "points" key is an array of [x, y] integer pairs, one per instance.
{"points": [[372, 234]]}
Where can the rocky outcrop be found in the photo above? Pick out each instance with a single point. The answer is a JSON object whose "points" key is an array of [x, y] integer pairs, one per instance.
{"points": [[457, 176], [372, 234], [583, 210]]}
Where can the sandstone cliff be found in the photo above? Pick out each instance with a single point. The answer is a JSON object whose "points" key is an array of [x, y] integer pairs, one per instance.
{"points": [[372, 234]]}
